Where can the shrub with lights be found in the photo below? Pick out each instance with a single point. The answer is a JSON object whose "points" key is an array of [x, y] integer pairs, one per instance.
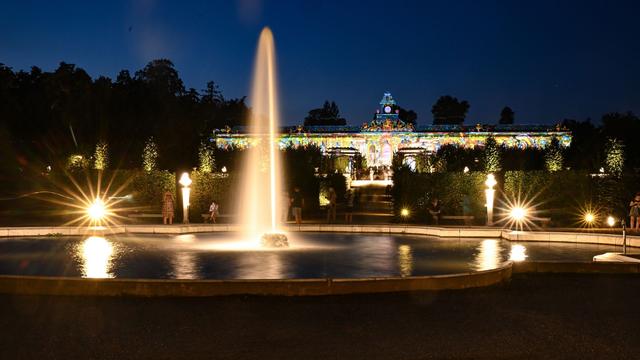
{"points": [[150, 155], [101, 156]]}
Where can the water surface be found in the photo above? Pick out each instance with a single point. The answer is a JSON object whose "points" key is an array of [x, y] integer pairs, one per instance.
{"points": [[313, 255]]}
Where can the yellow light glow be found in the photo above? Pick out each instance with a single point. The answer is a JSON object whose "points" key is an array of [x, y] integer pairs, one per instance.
{"points": [[589, 218], [405, 260], [490, 196], [611, 221], [518, 213], [404, 212], [96, 255], [491, 181], [185, 180], [518, 253], [488, 256], [97, 210]]}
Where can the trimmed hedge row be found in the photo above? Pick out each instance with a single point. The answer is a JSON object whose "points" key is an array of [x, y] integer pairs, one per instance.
{"points": [[207, 187], [459, 193], [563, 196]]}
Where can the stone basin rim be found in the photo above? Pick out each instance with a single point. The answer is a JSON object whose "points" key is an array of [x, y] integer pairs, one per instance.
{"points": [[441, 232]]}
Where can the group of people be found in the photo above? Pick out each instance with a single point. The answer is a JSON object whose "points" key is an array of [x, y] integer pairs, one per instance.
{"points": [[168, 208], [296, 203], [293, 205], [332, 207]]}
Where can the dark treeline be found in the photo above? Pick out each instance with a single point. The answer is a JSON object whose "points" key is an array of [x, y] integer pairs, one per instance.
{"points": [[588, 147], [46, 116]]}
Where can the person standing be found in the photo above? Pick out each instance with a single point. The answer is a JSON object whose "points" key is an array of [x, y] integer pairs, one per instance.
{"points": [[213, 211], [297, 203], [348, 215], [634, 212], [434, 210], [167, 208], [333, 203]]}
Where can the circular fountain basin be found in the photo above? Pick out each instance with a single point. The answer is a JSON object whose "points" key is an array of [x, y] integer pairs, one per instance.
{"points": [[224, 256]]}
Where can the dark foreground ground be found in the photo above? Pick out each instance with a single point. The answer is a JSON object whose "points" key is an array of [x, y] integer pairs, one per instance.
{"points": [[546, 317]]}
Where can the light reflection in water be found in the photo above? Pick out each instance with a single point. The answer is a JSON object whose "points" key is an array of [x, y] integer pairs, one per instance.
{"points": [[405, 260], [185, 238], [518, 253], [261, 265], [97, 253], [488, 256], [375, 256], [184, 265]]}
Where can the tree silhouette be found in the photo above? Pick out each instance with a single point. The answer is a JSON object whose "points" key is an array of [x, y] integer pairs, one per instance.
{"points": [[507, 116], [50, 115], [328, 114], [408, 116], [449, 110]]}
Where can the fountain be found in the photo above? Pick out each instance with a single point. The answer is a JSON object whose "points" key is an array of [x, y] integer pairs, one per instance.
{"points": [[262, 171]]}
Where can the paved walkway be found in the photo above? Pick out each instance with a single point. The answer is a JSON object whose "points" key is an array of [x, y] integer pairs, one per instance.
{"points": [[545, 317]]}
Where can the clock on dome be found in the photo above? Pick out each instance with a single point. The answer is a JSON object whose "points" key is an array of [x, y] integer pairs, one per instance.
{"points": [[387, 109]]}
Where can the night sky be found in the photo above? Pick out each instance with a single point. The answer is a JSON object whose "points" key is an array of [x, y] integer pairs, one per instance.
{"points": [[548, 60]]}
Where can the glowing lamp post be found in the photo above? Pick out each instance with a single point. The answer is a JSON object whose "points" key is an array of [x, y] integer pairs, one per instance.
{"points": [[185, 181], [589, 219], [611, 221], [490, 195], [405, 214], [518, 215], [97, 210]]}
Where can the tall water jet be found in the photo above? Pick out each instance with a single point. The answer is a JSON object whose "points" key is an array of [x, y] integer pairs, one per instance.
{"points": [[262, 182]]}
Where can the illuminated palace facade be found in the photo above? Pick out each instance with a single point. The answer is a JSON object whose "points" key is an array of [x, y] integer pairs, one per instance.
{"points": [[386, 134]]}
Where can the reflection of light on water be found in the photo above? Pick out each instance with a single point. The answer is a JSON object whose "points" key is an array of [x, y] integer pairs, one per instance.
{"points": [[236, 245], [241, 243], [184, 265], [266, 265], [186, 238], [518, 253], [405, 260], [375, 255], [96, 256], [488, 256]]}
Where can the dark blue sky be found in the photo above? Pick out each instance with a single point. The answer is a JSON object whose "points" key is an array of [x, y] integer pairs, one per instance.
{"points": [[548, 60]]}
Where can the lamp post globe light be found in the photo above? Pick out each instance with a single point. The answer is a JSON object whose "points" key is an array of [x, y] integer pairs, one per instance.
{"points": [[490, 196], [185, 181]]}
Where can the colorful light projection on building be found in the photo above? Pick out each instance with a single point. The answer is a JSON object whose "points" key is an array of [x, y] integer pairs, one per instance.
{"points": [[386, 134], [378, 147]]}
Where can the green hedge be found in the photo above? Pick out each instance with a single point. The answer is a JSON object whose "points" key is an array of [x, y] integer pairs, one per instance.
{"points": [[207, 187], [339, 184], [144, 190], [148, 188], [562, 195], [454, 190]]}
